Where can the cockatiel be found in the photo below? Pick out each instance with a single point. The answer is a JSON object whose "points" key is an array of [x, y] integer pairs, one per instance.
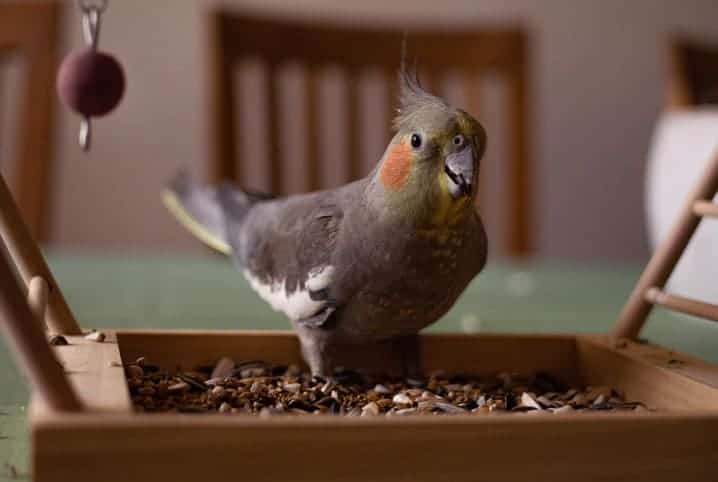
{"points": [[376, 259]]}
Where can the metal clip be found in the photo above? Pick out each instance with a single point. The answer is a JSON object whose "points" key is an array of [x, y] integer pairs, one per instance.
{"points": [[91, 12], [91, 21], [85, 136]]}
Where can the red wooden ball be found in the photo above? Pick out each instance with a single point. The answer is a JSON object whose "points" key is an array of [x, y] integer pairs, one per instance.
{"points": [[90, 82]]}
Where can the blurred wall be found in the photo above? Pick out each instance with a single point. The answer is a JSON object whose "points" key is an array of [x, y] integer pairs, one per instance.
{"points": [[598, 72]]}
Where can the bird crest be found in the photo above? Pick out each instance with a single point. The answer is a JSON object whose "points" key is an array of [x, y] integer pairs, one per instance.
{"points": [[413, 98]]}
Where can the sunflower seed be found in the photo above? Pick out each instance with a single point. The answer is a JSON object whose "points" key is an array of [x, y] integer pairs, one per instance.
{"points": [[217, 392], [292, 387], [370, 409], [528, 401], [402, 399], [381, 389], [405, 411], [178, 387], [96, 336], [223, 368]]}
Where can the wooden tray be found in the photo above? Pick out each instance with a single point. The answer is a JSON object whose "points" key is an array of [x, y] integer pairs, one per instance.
{"points": [[107, 442]]}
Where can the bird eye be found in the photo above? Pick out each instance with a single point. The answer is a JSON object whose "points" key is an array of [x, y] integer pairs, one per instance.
{"points": [[415, 141], [458, 140]]}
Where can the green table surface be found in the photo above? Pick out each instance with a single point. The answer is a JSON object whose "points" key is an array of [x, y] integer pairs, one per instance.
{"points": [[153, 290]]}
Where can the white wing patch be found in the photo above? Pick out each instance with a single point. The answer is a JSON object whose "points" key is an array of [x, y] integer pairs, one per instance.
{"points": [[320, 278], [297, 304]]}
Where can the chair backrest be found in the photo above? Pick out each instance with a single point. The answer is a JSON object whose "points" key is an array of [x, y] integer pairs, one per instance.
{"points": [[693, 73], [31, 30], [501, 53]]}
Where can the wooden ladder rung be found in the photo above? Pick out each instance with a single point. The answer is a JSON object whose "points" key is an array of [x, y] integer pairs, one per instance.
{"points": [[705, 208], [681, 303]]}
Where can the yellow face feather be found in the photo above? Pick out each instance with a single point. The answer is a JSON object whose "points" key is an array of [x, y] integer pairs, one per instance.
{"points": [[414, 178], [429, 173], [447, 211]]}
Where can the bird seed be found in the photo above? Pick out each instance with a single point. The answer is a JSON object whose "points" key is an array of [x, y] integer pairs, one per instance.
{"points": [[258, 388]]}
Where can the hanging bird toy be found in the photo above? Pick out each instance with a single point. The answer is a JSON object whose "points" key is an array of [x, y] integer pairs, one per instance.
{"points": [[89, 81]]}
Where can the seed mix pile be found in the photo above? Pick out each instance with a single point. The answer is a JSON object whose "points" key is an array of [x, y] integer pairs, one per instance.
{"points": [[259, 388]]}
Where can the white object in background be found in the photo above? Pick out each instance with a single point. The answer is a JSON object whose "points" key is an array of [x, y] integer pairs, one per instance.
{"points": [[683, 143]]}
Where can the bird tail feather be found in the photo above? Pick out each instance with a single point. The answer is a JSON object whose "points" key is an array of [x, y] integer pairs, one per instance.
{"points": [[199, 209], [207, 211]]}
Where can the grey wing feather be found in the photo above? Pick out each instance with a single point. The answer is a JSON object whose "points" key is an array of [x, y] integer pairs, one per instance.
{"points": [[285, 249]]}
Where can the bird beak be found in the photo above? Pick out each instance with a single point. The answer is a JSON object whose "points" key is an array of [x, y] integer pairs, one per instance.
{"points": [[459, 168]]}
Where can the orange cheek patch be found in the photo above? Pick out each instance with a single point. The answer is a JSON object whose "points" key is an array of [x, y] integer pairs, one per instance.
{"points": [[396, 167]]}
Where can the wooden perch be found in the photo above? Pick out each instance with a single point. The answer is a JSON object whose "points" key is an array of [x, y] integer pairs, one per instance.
{"points": [[37, 298], [682, 304], [705, 208]]}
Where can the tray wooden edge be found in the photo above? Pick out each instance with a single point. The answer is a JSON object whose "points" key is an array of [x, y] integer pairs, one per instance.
{"points": [[95, 371]]}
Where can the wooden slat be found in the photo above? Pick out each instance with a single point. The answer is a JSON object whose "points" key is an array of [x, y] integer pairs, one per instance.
{"points": [[678, 92], [275, 142], [353, 131], [471, 86], [34, 153], [518, 188], [664, 259], [32, 29], [284, 40], [29, 261], [311, 103], [705, 208], [223, 120], [685, 305]]}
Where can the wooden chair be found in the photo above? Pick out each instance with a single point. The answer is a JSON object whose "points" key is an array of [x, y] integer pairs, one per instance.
{"points": [[234, 37], [31, 29], [693, 73]]}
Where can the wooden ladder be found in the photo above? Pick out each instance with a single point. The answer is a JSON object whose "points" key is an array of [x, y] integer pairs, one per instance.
{"points": [[649, 290], [28, 300]]}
